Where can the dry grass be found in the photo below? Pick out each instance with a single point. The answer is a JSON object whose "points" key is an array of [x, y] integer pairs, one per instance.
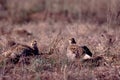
{"points": [[52, 40], [91, 23]]}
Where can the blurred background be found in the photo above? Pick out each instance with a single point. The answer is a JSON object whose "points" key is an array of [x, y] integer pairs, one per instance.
{"points": [[100, 11]]}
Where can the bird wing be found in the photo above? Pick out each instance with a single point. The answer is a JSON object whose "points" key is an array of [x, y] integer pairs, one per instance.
{"points": [[76, 50], [16, 50], [7, 53], [23, 50]]}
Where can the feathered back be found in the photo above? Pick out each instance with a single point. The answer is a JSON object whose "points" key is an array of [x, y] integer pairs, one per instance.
{"points": [[20, 50]]}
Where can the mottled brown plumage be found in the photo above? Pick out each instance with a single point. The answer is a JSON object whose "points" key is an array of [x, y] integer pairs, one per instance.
{"points": [[76, 52], [19, 50]]}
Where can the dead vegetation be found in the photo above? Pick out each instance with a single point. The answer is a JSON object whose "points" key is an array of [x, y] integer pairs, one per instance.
{"points": [[52, 43], [94, 24]]}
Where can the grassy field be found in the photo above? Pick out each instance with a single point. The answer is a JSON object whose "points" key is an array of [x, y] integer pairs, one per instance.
{"points": [[93, 23]]}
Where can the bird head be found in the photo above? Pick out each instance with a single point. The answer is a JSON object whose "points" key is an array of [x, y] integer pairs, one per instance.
{"points": [[72, 41], [34, 43]]}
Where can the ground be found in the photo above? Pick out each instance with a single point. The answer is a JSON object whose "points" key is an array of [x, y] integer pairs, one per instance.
{"points": [[95, 24], [52, 64]]}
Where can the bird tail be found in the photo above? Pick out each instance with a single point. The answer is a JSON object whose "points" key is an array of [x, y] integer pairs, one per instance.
{"points": [[87, 51]]}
